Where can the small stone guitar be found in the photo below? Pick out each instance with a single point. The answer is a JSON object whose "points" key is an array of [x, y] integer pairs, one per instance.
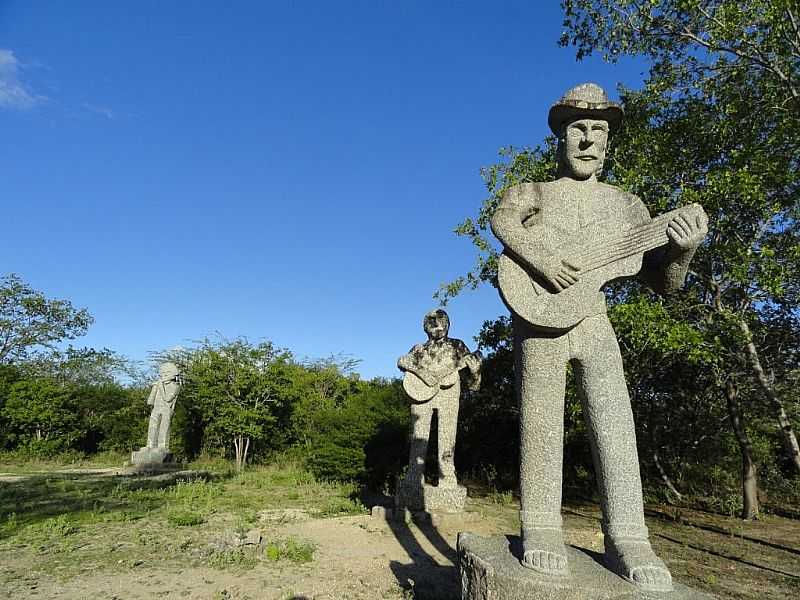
{"points": [[601, 258], [420, 392]]}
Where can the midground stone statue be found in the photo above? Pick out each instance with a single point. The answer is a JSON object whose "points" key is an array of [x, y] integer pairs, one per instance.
{"points": [[162, 398], [563, 241], [432, 380]]}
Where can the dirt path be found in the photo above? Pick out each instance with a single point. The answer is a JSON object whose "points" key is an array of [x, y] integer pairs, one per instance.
{"points": [[99, 472], [133, 550], [356, 558]]}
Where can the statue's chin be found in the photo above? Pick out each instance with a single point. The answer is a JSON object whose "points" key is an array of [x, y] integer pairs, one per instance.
{"points": [[582, 170], [582, 174]]}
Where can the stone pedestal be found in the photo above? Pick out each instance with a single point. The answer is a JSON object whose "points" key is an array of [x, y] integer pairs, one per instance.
{"points": [[491, 570], [431, 498], [155, 458]]}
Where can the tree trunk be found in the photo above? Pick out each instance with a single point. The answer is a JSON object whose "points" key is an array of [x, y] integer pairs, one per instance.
{"points": [[784, 424], [750, 508], [244, 454], [664, 477], [238, 447]]}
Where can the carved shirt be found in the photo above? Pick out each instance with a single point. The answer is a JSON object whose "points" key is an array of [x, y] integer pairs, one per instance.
{"points": [[163, 394], [438, 357]]}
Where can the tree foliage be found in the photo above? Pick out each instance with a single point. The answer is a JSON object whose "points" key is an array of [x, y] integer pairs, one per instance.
{"points": [[237, 389], [715, 123], [29, 321]]}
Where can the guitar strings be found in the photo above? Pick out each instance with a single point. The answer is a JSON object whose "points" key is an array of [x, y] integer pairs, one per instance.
{"points": [[647, 237]]}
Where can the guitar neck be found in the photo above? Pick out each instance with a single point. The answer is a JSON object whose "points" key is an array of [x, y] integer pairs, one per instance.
{"points": [[636, 240]]}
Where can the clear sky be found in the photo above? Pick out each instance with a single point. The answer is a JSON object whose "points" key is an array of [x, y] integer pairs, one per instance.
{"points": [[282, 170]]}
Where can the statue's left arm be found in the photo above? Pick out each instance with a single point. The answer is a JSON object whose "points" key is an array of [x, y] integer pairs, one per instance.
{"points": [[472, 361], [172, 393], [664, 269]]}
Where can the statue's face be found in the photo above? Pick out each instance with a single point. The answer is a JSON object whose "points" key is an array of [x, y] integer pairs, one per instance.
{"points": [[436, 325], [167, 371], [584, 147]]}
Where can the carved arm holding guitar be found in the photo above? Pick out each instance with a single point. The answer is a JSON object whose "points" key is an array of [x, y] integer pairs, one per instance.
{"points": [[548, 277], [422, 382]]}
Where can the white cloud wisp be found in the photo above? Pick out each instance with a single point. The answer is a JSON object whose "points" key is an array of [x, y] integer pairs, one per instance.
{"points": [[13, 93]]}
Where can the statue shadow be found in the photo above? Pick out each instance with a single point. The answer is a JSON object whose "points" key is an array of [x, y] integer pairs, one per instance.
{"points": [[424, 576]]}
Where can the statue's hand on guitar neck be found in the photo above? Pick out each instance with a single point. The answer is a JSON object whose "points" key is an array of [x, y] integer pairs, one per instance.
{"points": [[687, 230]]}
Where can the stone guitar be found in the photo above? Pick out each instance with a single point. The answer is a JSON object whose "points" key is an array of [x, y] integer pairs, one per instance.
{"points": [[419, 391], [601, 259]]}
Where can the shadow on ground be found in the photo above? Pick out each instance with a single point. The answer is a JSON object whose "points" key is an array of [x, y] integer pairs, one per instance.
{"points": [[424, 576]]}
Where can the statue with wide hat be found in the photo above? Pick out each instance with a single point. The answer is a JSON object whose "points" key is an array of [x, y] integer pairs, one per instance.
{"points": [[563, 242]]}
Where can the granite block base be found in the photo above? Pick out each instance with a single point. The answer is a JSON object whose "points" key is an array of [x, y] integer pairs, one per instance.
{"points": [[154, 459], [431, 498], [491, 570]]}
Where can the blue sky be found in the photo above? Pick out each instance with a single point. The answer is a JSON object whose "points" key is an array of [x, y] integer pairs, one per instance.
{"points": [[282, 170]]}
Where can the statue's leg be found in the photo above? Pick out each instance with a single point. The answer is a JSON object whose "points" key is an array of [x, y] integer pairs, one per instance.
{"points": [[447, 404], [609, 420], [540, 370], [152, 429], [421, 430], [163, 429]]}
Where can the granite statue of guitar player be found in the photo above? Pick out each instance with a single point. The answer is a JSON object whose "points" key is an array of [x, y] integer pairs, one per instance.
{"points": [[563, 242], [432, 379]]}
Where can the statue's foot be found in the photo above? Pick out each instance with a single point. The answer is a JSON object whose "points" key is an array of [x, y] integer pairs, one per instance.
{"points": [[544, 551], [634, 560], [448, 479]]}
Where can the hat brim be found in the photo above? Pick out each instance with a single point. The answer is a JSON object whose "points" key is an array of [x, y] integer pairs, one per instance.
{"points": [[561, 113]]}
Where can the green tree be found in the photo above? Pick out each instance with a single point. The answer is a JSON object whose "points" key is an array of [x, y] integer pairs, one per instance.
{"points": [[29, 321], [718, 115], [364, 437], [715, 123], [237, 389], [41, 414]]}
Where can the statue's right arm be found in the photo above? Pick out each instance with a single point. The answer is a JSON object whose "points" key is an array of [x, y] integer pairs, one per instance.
{"points": [[524, 242], [407, 363]]}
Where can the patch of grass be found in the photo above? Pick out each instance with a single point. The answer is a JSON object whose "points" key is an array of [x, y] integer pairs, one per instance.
{"points": [[290, 549], [185, 519], [59, 527], [22, 461], [337, 506], [234, 558], [503, 498]]}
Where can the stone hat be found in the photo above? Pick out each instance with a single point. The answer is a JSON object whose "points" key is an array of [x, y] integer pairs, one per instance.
{"points": [[586, 99]]}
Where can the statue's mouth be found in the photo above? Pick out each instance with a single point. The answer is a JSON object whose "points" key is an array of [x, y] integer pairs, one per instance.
{"points": [[586, 157]]}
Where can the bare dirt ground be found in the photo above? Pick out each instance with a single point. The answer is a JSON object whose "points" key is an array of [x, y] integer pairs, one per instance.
{"points": [[361, 557]]}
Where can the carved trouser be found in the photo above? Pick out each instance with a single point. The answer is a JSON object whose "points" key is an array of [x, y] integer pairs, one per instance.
{"points": [[445, 403], [540, 368], [158, 429]]}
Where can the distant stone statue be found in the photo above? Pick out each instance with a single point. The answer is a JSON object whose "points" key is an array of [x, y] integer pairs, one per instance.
{"points": [[563, 241], [432, 380], [162, 398]]}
